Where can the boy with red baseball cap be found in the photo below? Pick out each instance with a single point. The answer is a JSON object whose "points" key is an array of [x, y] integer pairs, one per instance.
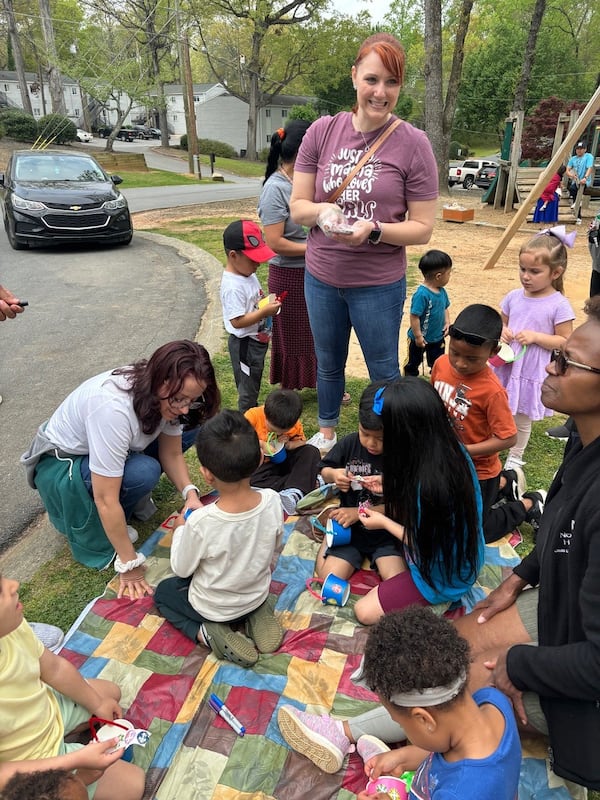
{"points": [[247, 313]]}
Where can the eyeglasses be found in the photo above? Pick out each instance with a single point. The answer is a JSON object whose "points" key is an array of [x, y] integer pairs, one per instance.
{"points": [[562, 362], [184, 402], [470, 338]]}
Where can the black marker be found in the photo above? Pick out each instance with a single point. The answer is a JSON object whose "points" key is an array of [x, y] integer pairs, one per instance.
{"points": [[22, 303]]}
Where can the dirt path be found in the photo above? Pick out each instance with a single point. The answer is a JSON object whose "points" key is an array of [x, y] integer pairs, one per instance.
{"points": [[469, 244]]}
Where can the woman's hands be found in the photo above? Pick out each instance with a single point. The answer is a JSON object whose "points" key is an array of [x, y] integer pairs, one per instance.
{"points": [[133, 584]]}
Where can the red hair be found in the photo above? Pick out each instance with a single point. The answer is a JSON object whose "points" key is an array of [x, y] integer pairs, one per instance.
{"points": [[389, 50]]}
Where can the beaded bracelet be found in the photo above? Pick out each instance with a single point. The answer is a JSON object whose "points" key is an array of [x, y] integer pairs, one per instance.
{"points": [[127, 566]]}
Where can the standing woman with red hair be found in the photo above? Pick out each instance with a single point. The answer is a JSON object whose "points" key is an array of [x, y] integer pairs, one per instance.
{"points": [[366, 184]]}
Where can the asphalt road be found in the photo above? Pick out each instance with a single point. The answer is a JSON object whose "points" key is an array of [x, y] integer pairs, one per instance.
{"points": [[92, 309]]}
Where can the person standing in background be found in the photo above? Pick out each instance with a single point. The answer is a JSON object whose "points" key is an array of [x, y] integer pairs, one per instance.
{"points": [[580, 169], [293, 359]]}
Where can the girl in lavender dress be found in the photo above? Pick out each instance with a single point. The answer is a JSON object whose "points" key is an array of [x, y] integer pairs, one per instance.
{"points": [[539, 317]]}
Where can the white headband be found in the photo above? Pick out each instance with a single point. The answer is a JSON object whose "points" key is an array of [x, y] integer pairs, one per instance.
{"points": [[434, 696]]}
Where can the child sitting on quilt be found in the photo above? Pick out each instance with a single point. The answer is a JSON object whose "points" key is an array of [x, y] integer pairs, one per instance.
{"points": [[221, 554], [350, 464]]}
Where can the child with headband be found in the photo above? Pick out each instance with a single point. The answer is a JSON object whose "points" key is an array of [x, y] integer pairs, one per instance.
{"points": [[462, 745], [539, 318]]}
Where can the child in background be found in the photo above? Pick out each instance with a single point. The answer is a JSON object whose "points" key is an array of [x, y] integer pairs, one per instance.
{"points": [[249, 326], [42, 699], [539, 317], [350, 464], [478, 409], [546, 209], [429, 316], [278, 422], [432, 504], [221, 554], [462, 745]]}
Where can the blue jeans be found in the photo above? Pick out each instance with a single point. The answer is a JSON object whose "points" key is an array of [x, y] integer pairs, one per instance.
{"points": [[140, 473], [375, 313]]}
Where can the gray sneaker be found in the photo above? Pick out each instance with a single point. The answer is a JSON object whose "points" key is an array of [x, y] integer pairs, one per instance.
{"points": [[49, 635]]}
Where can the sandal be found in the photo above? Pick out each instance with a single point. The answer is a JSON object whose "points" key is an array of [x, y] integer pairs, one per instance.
{"points": [[230, 645], [346, 399]]}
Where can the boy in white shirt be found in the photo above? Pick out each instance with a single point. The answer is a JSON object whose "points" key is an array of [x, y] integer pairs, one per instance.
{"points": [[247, 319], [222, 553]]}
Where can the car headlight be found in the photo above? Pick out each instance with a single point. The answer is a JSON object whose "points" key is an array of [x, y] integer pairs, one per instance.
{"points": [[26, 205], [120, 202]]}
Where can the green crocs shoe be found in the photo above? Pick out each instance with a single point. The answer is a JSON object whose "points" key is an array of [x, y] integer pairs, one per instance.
{"points": [[230, 645], [263, 627]]}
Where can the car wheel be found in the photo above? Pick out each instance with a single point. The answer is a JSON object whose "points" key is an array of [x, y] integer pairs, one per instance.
{"points": [[468, 181], [12, 239]]}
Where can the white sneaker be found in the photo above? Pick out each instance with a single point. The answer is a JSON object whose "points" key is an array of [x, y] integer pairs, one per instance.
{"points": [[289, 499], [577, 222], [513, 463], [573, 204], [49, 635], [321, 443], [133, 534]]}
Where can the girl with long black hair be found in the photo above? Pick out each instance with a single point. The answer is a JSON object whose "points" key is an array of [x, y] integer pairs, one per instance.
{"points": [[432, 503]]}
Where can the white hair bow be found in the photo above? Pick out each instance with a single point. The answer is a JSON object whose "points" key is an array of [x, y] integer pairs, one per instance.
{"points": [[560, 231]]}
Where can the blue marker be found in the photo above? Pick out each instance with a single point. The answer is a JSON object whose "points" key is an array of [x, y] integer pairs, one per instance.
{"points": [[219, 707]]}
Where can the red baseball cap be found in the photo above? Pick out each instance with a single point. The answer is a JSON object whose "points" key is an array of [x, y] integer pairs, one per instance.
{"points": [[247, 237]]}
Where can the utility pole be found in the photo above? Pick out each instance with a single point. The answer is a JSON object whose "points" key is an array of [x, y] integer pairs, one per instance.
{"points": [[185, 69], [191, 117]]}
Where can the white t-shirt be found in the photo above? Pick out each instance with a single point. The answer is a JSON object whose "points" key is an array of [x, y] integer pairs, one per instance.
{"points": [[239, 295], [229, 556], [97, 419]]}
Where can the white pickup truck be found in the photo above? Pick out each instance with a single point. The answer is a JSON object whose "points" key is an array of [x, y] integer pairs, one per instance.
{"points": [[465, 173]]}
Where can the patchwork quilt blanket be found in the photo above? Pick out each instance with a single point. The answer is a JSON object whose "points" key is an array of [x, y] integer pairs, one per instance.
{"points": [[166, 681]]}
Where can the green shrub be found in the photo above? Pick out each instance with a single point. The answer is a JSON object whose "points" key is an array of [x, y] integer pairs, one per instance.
{"points": [[19, 125], [264, 154], [183, 142], [220, 149], [455, 147], [57, 129], [2, 131]]}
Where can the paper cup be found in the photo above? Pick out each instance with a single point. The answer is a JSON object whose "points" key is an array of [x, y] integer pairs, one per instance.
{"points": [[337, 534], [279, 453], [116, 729], [506, 355], [395, 787], [334, 591]]}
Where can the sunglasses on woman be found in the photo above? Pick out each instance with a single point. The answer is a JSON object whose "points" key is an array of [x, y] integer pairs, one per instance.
{"points": [[561, 363]]}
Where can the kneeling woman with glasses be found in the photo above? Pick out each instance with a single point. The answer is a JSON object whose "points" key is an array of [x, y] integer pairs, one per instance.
{"points": [[97, 459]]}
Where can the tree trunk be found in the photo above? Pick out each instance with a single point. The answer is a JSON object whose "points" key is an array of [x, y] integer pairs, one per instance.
{"points": [[18, 56], [536, 21], [439, 115], [54, 76]]}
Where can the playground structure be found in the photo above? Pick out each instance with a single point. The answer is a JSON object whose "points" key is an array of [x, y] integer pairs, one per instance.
{"points": [[559, 155], [514, 184]]}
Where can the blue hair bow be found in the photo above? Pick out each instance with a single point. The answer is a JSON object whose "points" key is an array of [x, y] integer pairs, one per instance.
{"points": [[378, 401], [560, 231]]}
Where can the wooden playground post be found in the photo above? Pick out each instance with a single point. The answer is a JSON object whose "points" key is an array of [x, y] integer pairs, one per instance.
{"points": [[574, 132]]}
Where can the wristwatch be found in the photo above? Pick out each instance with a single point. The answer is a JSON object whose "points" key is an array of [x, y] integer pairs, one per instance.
{"points": [[376, 233]]}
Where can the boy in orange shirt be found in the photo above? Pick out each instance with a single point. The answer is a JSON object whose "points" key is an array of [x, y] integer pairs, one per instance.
{"points": [[293, 472], [478, 408]]}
